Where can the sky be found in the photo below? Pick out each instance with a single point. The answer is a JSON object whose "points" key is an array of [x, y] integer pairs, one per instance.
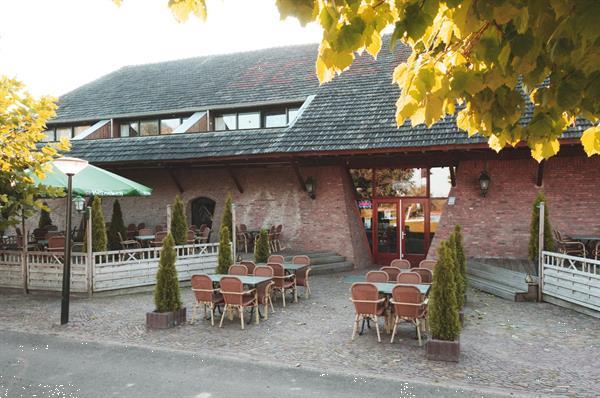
{"points": [[54, 46]]}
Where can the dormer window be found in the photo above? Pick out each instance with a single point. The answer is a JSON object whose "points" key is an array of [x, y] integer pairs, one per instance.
{"points": [[249, 120], [267, 118], [226, 122]]}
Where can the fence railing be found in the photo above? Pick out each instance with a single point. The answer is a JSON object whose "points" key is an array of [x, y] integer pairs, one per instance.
{"points": [[572, 279], [102, 271]]}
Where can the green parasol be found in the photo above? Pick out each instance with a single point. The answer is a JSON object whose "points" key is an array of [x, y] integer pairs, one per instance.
{"points": [[94, 181]]}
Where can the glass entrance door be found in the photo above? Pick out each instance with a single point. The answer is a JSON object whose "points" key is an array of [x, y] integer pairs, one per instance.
{"points": [[415, 229], [386, 237]]}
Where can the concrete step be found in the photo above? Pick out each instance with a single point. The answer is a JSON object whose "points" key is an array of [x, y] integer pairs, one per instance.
{"points": [[327, 260], [311, 255], [330, 268], [495, 288], [515, 283]]}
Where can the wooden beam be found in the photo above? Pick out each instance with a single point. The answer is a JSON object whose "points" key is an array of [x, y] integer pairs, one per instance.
{"points": [[540, 173], [299, 176], [453, 176], [235, 180], [175, 180]]}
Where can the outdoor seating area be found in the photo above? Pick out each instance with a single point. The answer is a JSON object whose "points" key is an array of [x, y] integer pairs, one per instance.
{"points": [[580, 245], [250, 286], [246, 238]]}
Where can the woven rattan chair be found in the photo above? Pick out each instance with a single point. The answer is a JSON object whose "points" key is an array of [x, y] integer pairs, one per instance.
{"points": [[265, 290], [272, 238], [131, 231], [276, 258], [129, 243], [377, 277], [565, 246], [367, 304], [56, 243], [191, 237], [283, 282], [426, 275], [241, 240], [238, 269], [144, 232], [409, 278], [250, 265], [206, 296], [428, 264], [303, 274], [408, 306], [158, 238], [204, 234], [236, 298], [597, 251], [400, 263], [391, 271]]}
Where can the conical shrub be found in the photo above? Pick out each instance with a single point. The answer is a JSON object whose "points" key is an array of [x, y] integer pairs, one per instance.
{"points": [[443, 310], [167, 296], [99, 239], [461, 258], [227, 217], [458, 277], [535, 229], [117, 225], [179, 226], [224, 260], [45, 219], [261, 247]]}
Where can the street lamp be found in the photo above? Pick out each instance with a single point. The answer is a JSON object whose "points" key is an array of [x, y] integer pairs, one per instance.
{"points": [[69, 166], [484, 182]]}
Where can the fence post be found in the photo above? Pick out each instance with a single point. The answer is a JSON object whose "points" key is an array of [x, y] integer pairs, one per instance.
{"points": [[234, 233], [541, 252], [90, 251], [169, 218], [24, 263]]}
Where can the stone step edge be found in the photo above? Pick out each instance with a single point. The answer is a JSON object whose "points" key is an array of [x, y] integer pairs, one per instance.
{"points": [[493, 288], [514, 282]]}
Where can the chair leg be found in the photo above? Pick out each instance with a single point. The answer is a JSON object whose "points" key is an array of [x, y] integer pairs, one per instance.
{"points": [[295, 293], [283, 296], [212, 314], [223, 315], [256, 310], [377, 328], [271, 302], [204, 305], [241, 311], [394, 330], [418, 331], [194, 314], [307, 289], [355, 328]]}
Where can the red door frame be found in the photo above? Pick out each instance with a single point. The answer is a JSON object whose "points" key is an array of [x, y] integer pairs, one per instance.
{"points": [[385, 258], [415, 259]]}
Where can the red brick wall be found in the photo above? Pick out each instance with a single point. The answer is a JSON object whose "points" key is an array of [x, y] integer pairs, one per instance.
{"points": [[497, 226]]}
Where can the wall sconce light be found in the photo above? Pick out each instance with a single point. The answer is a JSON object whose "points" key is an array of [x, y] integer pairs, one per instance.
{"points": [[310, 185], [484, 182], [79, 203]]}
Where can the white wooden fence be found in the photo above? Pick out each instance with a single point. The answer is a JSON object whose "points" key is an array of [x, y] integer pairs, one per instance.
{"points": [[102, 271], [572, 279]]}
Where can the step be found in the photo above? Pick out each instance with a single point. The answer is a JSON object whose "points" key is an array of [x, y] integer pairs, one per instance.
{"points": [[311, 255], [497, 289], [327, 260], [515, 283], [331, 268]]}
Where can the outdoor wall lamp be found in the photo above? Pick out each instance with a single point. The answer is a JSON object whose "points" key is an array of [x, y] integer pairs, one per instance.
{"points": [[484, 182], [310, 185], [79, 203]]}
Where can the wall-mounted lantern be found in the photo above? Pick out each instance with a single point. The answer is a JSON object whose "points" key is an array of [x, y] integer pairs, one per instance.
{"points": [[310, 185], [484, 182], [79, 203]]}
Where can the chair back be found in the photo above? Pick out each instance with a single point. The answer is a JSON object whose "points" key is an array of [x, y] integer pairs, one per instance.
{"points": [[141, 225], [191, 236], [400, 263], [202, 227], [158, 228], [407, 301], [412, 278], [243, 228], [426, 274], [121, 240], [364, 297], [278, 273], [159, 237], [377, 277], [231, 289], [263, 270], [145, 232], [238, 269], [40, 233], [301, 273], [302, 260], [56, 243], [250, 265], [202, 287], [131, 227], [428, 264], [204, 233], [275, 258], [391, 271]]}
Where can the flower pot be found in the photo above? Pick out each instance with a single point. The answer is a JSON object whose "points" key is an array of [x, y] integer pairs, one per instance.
{"points": [[165, 320], [442, 350]]}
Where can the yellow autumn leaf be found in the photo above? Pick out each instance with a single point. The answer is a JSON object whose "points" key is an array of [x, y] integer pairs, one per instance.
{"points": [[182, 9], [544, 150], [324, 73], [375, 45], [495, 143], [591, 140]]}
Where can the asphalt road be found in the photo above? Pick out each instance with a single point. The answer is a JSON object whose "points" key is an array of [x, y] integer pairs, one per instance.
{"points": [[50, 366]]}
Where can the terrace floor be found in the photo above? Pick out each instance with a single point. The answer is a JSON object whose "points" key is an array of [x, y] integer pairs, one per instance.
{"points": [[528, 348]]}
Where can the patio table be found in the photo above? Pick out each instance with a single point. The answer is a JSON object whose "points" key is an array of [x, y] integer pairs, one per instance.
{"points": [[587, 240], [251, 281], [144, 239], [386, 288], [289, 266]]}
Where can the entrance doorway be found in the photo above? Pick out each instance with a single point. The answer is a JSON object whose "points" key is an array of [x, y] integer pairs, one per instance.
{"points": [[203, 210]]}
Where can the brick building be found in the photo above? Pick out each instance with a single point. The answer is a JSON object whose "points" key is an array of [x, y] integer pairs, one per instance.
{"points": [[257, 125]]}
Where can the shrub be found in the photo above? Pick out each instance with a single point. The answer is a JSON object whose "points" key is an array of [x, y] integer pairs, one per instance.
{"points": [[227, 217], [116, 226], [179, 226], [443, 310], [458, 257], [99, 240], [166, 293], [261, 247], [535, 229], [45, 219], [224, 260]]}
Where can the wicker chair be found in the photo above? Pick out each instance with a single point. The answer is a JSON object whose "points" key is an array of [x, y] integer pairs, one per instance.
{"points": [[377, 277], [235, 297], [237, 269], [191, 237], [250, 265], [426, 275], [428, 264], [302, 274], [241, 239], [597, 251], [204, 235], [277, 238], [572, 248], [276, 258], [392, 272], [144, 232], [158, 238], [56, 243], [400, 263], [131, 231], [408, 306], [265, 290], [283, 282], [367, 304], [129, 243], [412, 278], [205, 295]]}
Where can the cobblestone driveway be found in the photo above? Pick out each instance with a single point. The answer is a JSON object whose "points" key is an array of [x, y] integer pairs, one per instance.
{"points": [[529, 348]]}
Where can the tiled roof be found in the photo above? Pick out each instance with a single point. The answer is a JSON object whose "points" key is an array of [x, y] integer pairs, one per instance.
{"points": [[272, 75]]}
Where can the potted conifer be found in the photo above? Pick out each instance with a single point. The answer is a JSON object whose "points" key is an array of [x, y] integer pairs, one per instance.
{"points": [[99, 239], [443, 310], [261, 247], [45, 220], [224, 259], [459, 280], [117, 226], [179, 226], [169, 310]]}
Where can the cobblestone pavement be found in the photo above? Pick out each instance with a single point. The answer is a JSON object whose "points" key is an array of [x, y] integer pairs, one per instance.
{"points": [[528, 348]]}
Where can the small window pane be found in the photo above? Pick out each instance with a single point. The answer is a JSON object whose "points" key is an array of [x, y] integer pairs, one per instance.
{"points": [[439, 181], [79, 129], [149, 127], [49, 135], [401, 182], [167, 126], [249, 120], [292, 114], [226, 122], [63, 132], [129, 129], [276, 119], [362, 179]]}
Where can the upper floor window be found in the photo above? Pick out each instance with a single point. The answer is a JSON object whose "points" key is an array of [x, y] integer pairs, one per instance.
{"points": [[167, 126], [226, 122], [130, 129], [149, 127], [249, 120], [56, 133], [256, 119]]}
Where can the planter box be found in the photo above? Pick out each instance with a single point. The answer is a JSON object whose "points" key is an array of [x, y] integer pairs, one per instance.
{"points": [[441, 350], [165, 320]]}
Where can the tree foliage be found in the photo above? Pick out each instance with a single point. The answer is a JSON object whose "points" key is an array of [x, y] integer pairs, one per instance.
{"points": [[472, 54], [117, 225], [444, 321], [22, 123], [167, 296], [224, 260], [461, 256], [261, 247], [227, 217], [45, 219], [99, 239], [179, 226], [535, 228], [459, 282]]}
